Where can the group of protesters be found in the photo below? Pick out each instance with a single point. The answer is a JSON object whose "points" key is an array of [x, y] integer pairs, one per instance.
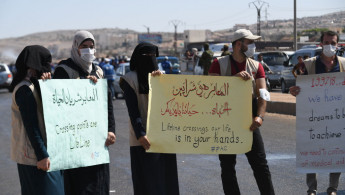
{"points": [[152, 173], [29, 140]]}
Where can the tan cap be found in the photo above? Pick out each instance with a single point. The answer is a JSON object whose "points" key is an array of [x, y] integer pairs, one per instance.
{"points": [[243, 33]]}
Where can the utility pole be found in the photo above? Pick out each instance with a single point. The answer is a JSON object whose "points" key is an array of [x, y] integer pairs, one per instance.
{"points": [[148, 29], [258, 5], [295, 26], [175, 23], [266, 17], [266, 23]]}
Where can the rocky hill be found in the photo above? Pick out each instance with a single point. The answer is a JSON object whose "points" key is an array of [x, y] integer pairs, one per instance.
{"points": [[108, 42], [122, 41]]}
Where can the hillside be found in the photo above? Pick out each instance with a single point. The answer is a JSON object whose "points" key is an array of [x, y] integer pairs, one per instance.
{"points": [[122, 41]]}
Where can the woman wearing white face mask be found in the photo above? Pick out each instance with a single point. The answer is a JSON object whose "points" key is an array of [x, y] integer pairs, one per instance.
{"points": [[93, 179], [82, 56]]}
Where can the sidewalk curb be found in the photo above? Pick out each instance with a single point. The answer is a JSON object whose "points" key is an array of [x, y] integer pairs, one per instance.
{"points": [[281, 108]]}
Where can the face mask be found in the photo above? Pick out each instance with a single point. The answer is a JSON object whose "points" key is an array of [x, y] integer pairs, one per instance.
{"points": [[33, 74], [251, 50], [150, 63], [329, 50], [87, 54], [29, 74]]}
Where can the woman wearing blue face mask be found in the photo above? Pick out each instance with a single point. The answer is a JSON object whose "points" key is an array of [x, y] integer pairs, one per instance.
{"points": [[92, 179]]}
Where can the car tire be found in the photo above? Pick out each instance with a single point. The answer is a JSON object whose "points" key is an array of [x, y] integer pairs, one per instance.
{"points": [[272, 86], [284, 87], [268, 85]]}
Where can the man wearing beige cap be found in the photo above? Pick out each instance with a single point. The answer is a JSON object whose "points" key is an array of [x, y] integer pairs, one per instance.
{"points": [[241, 65]]}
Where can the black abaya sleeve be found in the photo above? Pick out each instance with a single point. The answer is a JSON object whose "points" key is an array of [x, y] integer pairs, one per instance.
{"points": [[133, 109]]}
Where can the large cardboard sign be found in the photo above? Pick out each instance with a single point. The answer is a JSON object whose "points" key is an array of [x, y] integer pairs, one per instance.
{"points": [[320, 123], [76, 121], [199, 114]]}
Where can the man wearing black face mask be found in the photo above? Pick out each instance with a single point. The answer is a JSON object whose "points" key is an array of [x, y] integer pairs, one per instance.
{"points": [[152, 173], [241, 65]]}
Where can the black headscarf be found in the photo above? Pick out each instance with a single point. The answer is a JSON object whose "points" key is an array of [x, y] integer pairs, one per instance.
{"points": [[34, 56], [144, 64]]}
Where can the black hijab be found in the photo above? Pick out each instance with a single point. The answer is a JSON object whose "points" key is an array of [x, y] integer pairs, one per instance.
{"points": [[144, 64], [36, 57]]}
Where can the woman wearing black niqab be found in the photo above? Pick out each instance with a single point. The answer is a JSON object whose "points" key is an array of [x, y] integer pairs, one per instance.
{"points": [[29, 143], [143, 62], [152, 173]]}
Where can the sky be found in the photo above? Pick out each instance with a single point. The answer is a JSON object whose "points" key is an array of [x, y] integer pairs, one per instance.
{"points": [[23, 17]]}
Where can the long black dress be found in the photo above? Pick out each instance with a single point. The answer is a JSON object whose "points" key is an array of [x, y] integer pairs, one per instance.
{"points": [[92, 179]]}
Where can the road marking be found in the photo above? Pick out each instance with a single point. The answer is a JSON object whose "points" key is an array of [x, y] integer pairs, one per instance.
{"points": [[280, 156]]}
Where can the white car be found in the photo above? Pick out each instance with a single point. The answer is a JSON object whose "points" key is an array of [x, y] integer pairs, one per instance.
{"points": [[217, 48], [6, 77], [120, 71], [217, 52]]}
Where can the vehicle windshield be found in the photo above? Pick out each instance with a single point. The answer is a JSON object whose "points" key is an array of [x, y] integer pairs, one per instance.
{"points": [[294, 61], [2, 68], [119, 71], [127, 69], [216, 47], [274, 59], [171, 60]]}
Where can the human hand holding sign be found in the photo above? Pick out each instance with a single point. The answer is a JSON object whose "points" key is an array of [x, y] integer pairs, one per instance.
{"points": [[244, 75], [145, 142], [92, 78], [44, 164], [110, 139]]}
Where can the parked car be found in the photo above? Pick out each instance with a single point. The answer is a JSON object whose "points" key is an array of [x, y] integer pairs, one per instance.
{"points": [[6, 77], [286, 78], [174, 62], [217, 48], [275, 60], [289, 53], [120, 71], [255, 56], [217, 52], [341, 51], [309, 46]]}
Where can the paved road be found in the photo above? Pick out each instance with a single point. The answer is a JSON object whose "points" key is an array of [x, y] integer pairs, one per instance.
{"points": [[198, 174]]}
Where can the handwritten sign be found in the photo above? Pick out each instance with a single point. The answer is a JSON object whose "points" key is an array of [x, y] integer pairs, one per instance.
{"points": [[199, 114], [320, 124], [75, 115]]}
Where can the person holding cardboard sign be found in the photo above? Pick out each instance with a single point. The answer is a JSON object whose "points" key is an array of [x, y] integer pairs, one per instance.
{"points": [[327, 62], [152, 173], [92, 179], [29, 141], [241, 65]]}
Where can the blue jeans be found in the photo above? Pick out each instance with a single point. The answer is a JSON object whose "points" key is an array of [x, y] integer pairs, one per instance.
{"points": [[111, 87], [257, 160]]}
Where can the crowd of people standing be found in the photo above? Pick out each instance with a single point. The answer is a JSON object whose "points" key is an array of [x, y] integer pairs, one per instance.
{"points": [[152, 173]]}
